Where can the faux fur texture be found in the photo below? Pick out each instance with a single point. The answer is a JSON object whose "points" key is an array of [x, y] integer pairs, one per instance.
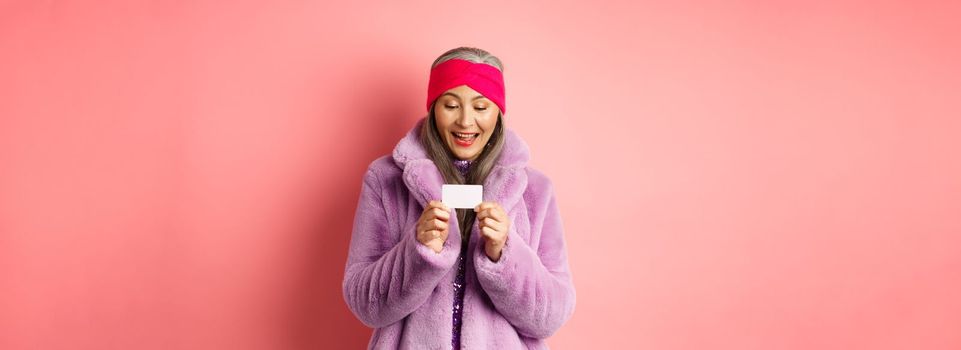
{"points": [[404, 290]]}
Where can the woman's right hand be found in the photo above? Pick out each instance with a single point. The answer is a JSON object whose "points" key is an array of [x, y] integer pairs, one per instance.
{"points": [[432, 227]]}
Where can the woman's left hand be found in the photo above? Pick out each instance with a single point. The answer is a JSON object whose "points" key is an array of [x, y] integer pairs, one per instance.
{"points": [[494, 225]]}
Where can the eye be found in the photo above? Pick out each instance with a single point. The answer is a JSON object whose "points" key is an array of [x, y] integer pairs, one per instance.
{"points": [[481, 108], [449, 106]]}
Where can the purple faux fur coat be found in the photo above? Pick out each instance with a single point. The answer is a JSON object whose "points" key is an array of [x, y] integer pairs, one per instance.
{"points": [[404, 290]]}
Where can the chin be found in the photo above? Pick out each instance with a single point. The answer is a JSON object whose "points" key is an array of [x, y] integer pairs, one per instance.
{"points": [[464, 156]]}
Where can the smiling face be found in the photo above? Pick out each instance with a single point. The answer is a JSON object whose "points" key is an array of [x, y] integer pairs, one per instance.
{"points": [[465, 120]]}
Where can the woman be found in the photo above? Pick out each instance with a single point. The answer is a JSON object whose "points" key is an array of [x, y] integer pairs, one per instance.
{"points": [[495, 277]]}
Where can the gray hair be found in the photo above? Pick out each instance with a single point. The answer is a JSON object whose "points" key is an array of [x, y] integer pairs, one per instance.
{"points": [[472, 54]]}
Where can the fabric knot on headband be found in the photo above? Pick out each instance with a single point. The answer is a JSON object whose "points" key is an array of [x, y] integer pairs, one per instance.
{"points": [[482, 77]]}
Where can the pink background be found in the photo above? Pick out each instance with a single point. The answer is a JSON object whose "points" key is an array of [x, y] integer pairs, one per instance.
{"points": [[750, 175]]}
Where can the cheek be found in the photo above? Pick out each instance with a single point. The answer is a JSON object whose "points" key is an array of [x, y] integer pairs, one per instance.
{"points": [[490, 123], [440, 115], [443, 119]]}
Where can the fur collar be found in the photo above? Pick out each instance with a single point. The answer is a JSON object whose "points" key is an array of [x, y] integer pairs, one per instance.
{"points": [[505, 184]]}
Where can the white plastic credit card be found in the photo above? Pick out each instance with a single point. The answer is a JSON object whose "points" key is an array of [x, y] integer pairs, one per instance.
{"points": [[462, 196]]}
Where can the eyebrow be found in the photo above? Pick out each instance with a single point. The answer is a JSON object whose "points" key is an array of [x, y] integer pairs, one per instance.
{"points": [[455, 95]]}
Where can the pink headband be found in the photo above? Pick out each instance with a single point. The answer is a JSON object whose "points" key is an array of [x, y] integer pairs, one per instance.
{"points": [[484, 78]]}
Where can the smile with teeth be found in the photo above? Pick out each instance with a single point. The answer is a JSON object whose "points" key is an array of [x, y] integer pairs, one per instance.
{"points": [[465, 136], [464, 139]]}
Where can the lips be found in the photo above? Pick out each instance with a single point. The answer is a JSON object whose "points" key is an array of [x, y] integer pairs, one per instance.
{"points": [[465, 136], [464, 139]]}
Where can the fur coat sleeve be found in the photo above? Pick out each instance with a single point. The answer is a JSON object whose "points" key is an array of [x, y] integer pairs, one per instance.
{"points": [[532, 287], [384, 283]]}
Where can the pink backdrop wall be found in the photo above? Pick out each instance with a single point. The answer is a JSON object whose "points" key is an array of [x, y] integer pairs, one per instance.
{"points": [[750, 175]]}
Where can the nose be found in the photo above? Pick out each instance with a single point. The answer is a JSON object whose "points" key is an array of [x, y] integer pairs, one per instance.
{"points": [[465, 119]]}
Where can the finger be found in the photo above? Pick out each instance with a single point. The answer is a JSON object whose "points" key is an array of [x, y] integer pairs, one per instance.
{"points": [[434, 234], [440, 214], [495, 238], [435, 204], [494, 224], [424, 235], [489, 233], [484, 213], [443, 206], [501, 218], [499, 226], [492, 215], [484, 205], [481, 223], [437, 225]]}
